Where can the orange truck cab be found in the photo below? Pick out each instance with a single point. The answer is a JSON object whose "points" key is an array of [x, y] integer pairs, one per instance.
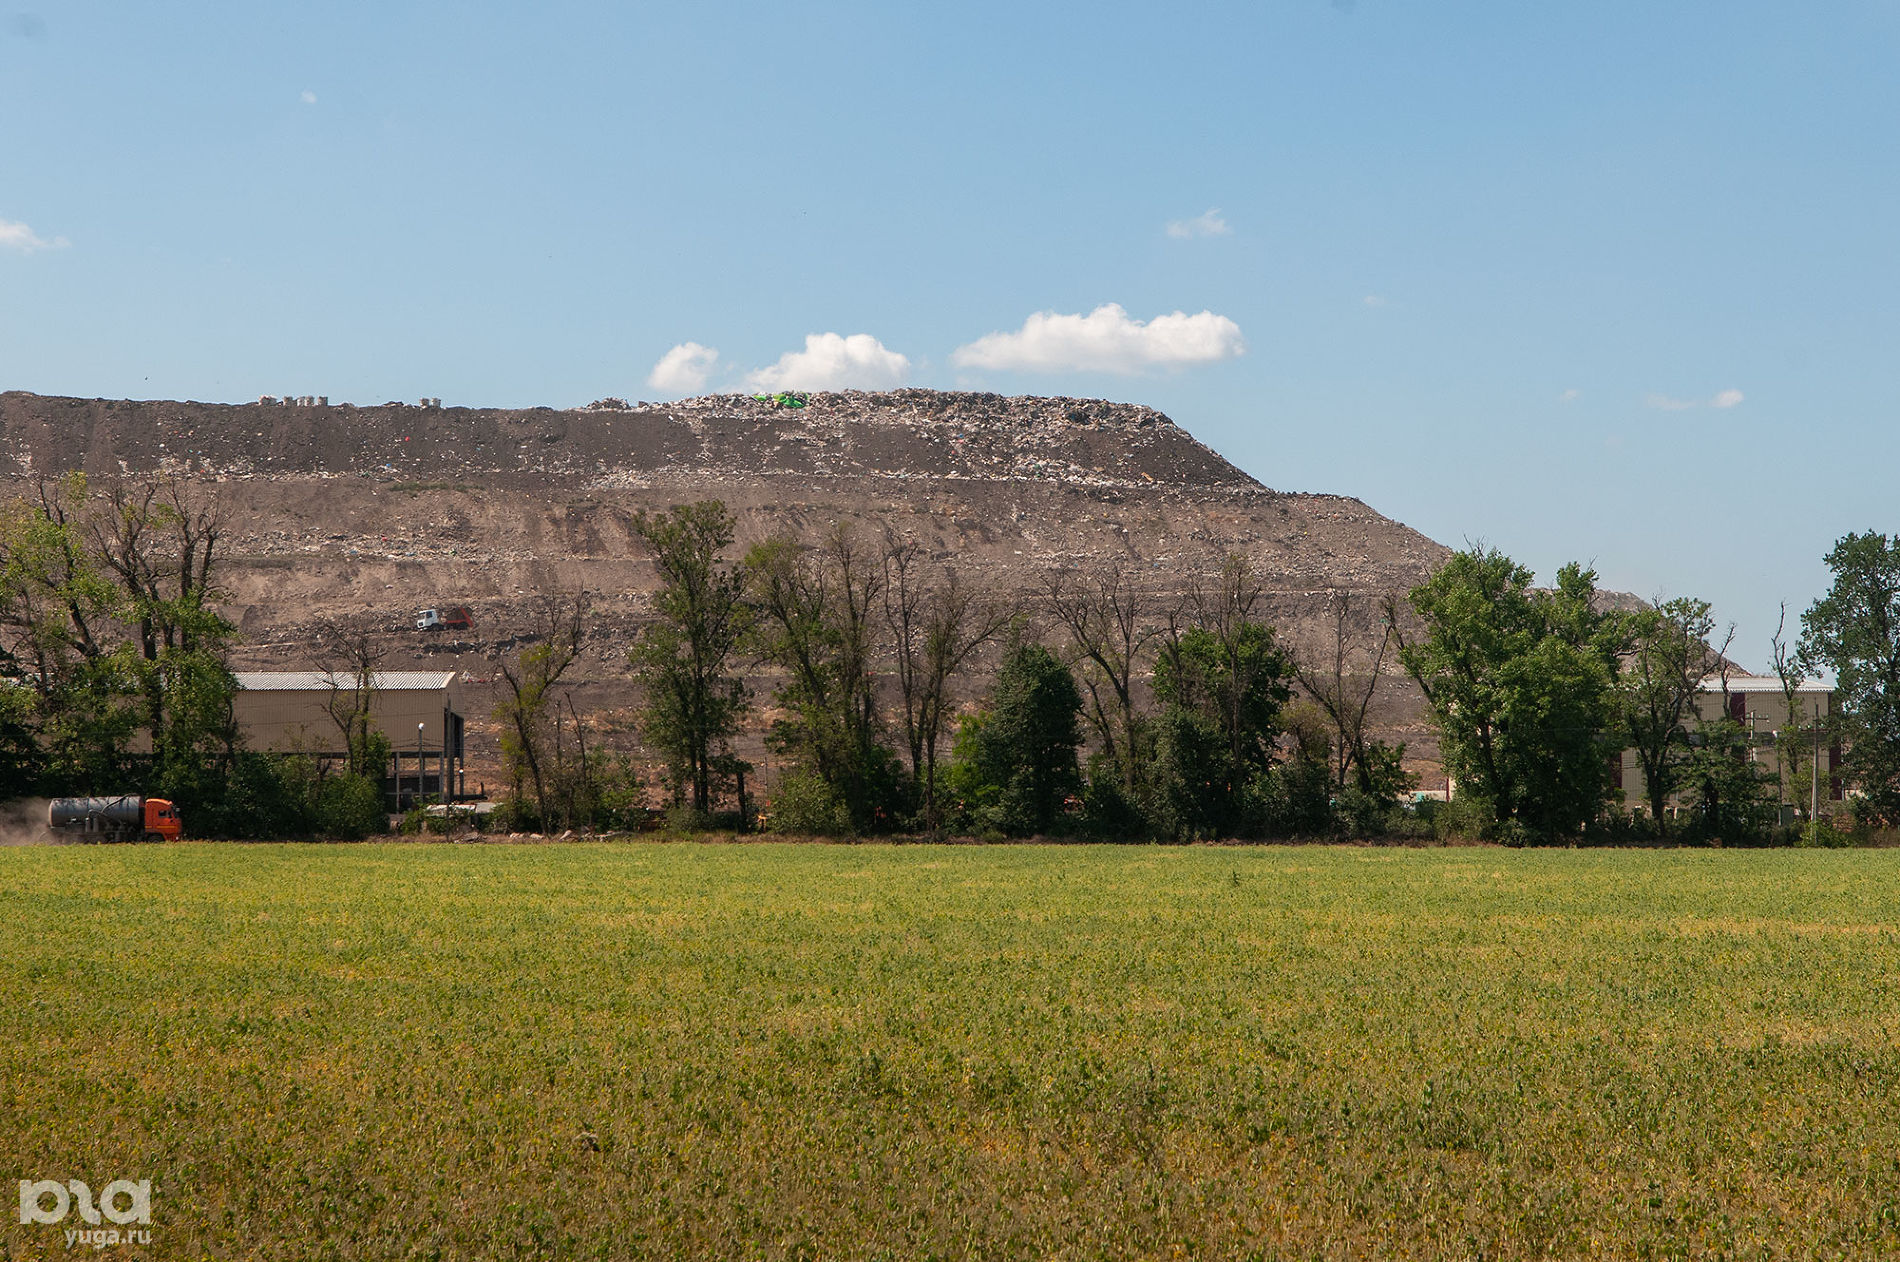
{"points": [[161, 817]]}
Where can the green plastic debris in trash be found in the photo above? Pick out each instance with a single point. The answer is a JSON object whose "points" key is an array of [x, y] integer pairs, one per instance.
{"points": [[784, 399]]}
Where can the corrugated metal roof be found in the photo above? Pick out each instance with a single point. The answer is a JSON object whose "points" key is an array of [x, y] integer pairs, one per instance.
{"points": [[1760, 683], [323, 680]]}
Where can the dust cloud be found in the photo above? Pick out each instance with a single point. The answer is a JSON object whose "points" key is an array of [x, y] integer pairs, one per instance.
{"points": [[23, 823]]}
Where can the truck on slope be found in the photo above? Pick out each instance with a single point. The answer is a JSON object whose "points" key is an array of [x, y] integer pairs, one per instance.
{"points": [[453, 618], [125, 818]]}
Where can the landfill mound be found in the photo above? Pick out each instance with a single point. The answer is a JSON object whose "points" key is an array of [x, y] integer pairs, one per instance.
{"points": [[914, 434], [366, 514]]}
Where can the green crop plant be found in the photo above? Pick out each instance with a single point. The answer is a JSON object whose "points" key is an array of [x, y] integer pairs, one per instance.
{"points": [[687, 1051]]}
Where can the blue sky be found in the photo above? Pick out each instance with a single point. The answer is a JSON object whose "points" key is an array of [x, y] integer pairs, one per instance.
{"points": [[1612, 282]]}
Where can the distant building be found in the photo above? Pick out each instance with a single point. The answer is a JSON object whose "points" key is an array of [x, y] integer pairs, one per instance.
{"points": [[417, 711], [1758, 703]]}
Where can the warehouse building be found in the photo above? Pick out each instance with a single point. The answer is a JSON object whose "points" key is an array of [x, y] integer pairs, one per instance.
{"points": [[418, 711]]}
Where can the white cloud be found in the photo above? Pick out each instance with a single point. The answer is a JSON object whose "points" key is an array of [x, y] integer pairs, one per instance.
{"points": [[1723, 399], [1105, 340], [684, 369], [1374, 300], [831, 362], [17, 236], [308, 97], [1570, 396], [1206, 224]]}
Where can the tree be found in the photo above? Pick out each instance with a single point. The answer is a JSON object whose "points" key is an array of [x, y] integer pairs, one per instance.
{"points": [[1225, 668], [693, 701], [1854, 631], [530, 745], [157, 540], [1222, 681], [1669, 657], [935, 626], [351, 655], [1193, 789], [108, 620], [1109, 625], [1016, 760], [1793, 755], [1326, 675], [1727, 791], [68, 716], [1520, 683], [816, 619]]}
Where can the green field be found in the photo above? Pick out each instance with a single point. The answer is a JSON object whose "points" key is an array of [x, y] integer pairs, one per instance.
{"points": [[1009, 1052]]}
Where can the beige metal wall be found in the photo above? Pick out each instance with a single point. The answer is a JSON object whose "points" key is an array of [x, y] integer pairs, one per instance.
{"points": [[1764, 714], [299, 720]]}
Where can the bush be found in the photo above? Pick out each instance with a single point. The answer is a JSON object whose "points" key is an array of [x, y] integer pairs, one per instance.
{"points": [[514, 815], [684, 819], [350, 808], [264, 796], [1361, 814], [1464, 818], [1108, 810], [804, 803], [1823, 835]]}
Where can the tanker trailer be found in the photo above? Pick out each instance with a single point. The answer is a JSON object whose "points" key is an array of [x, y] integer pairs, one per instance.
{"points": [[126, 818]]}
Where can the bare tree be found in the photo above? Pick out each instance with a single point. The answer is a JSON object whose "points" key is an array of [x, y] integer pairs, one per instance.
{"points": [[1342, 677], [350, 656], [158, 539], [527, 711], [935, 626], [1790, 741], [1110, 623]]}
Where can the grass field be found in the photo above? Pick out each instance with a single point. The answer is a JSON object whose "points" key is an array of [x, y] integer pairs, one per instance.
{"points": [[1006, 1052]]}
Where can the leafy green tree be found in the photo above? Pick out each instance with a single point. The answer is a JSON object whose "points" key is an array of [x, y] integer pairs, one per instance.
{"points": [[1728, 792], [157, 541], [1194, 786], [683, 660], [109, 629], [69, 711], [1854, 631], [1521, 684], [350, 807], [1017, 762], [817, 613], [1221, 678], [1226, 668], [1669, 656], [1298, 799]]}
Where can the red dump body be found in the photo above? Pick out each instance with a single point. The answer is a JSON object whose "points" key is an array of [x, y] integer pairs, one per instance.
{"points": [[451, 618]]}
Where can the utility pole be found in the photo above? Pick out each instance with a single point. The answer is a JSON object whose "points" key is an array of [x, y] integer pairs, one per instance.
{"points": [[1814, 793]]}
